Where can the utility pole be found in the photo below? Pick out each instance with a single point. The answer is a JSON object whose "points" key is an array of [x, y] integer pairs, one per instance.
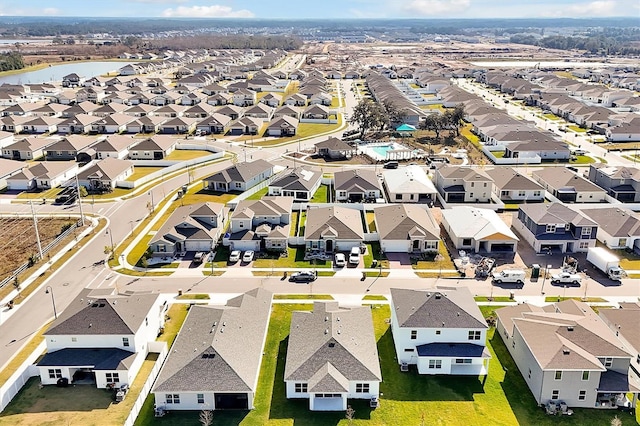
{"points": [[35, 226], [79, 200]]}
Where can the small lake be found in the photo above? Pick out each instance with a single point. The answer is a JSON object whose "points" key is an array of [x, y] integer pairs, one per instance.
{"points": [[543, 64], [56, 72]]}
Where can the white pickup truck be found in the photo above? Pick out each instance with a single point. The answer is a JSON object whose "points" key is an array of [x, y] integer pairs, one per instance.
{"points": [[566, 278]]}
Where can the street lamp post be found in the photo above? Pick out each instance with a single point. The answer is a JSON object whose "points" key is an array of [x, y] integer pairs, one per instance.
{"points": [[153, 208], [110, 234], [49, 290]]}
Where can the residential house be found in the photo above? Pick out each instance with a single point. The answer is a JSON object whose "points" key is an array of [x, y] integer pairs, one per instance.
{"points": [[463, 185], [295, 99], [41, 125], [215, 124], [260, 110], [260, 224], [157, 147], [179, 125], [244, 97], [116, 146], [9, 168], [42, 175], [239, 177], [246, 126], [102, 337], [300, 183], [511, 186], [282, 126], [104, 175], [569, 187], [545, 149], [30, 148], [190, 228], [406, 228], [146, 124], [621, 183], [479, 230], [232, 111], [440, 331], [618, 228], [78, 124], [409, 184], [356, 185], [335, 149], [291, 111], [623, 322], [332, 229], [271, 99], [68, 148], [114, 123], [316, 112], [565, 352], [332, 357], [214, 363], [555, 227]]}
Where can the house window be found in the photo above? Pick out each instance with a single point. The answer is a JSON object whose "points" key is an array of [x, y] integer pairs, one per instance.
{"points": [[343, 193], [558, 375], [513, 344], [473, 184], [238, 185], [536, 193], [301, 388], [521, 193], [529, 373], [586, 231], [622, 242], [112, 377], [466, 242], [550, 229], [555, 394], [398, 196], [200, 397], [475, 334], [463, 360], [411, 196], [414, 334], [435, 363], [362, 387], [125, 341], [162, 248], [582, 395], [567, 227], [55, 373], [74, 339], [409, 349], [431, 245], [608, 362], [471, 195], [584, 245], [438, 332], [585, 375], [172, 398]]}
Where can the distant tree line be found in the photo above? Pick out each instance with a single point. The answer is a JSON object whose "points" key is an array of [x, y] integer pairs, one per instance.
{"points": [[224, 42], [11, 61], [595, 44]]}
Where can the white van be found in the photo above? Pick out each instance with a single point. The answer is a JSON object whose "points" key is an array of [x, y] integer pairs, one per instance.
{"points": [[509, 276]]}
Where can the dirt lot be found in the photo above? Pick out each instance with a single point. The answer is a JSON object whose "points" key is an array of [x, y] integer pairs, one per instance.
{"points": [[19, 239]]}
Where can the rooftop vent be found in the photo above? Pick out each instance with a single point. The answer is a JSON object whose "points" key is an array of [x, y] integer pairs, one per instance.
{"points": [[570, 328], [331, 344], [566, 352], [438, 296]]}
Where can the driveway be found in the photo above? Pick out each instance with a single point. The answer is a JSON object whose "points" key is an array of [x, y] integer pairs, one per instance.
{"points": [[399, 260]]}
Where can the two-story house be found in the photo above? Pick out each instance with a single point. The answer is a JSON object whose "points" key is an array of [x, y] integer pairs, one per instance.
{"points": [[190, 228], [555, 227], [463, 185], [621, 183], [512, 186], [357, 185], [239, 177], [440, 331], [624, 323], [102, 337], [300, 183], [567, 186], [260, 224], [332, 357], [618, 228], [214, 363], [565, 352]]}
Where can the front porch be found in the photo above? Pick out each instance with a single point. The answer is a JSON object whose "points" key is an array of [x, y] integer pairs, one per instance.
{"points": [[613, 389]]}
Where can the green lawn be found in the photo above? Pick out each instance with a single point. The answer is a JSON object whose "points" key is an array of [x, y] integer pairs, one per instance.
{"points": [[141, 171], [303, 296], [305, 130], [258, 195], [294, 223], [186, 154], [374, 252], [302, 221], [550, 116], [503, 398], [494, 299], [445, 263], [551, 299], [294, 259], [371, 223], [583, 159], [576, 129], [471, 137], [321, 195]]}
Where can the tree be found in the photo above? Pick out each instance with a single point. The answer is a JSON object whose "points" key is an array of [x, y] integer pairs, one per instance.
{"points": [[367, 115], [83, 191], [457, 117], [206, 417], [433, 122], [395, 115], [350, 413]]}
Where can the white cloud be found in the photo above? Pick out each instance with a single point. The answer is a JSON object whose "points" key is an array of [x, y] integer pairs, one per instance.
{"points": [[214, 11], [50, 11], [160, 1], [595, 8], [437, 7]]}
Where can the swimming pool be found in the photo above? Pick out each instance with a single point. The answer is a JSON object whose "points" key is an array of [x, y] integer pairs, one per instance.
{"points": [[389, 151]]}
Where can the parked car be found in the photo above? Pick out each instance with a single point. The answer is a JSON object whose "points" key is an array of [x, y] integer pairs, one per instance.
{"points": [[235, 256], [354, 256], [248, 256], [340, 260], [509, 276], [391, 165], [566, 278], [303, 277], [199, 257]]}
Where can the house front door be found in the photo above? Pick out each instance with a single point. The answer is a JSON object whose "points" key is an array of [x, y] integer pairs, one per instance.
{"points": [[416, 245], [328, 246]]}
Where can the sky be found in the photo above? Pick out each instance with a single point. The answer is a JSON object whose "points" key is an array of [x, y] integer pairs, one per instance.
{"points": [[324, 9]]}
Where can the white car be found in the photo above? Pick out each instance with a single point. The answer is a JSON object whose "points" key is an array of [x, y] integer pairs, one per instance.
{"points": [[235, 256], [248, 256], [354, 256], [340, 260], [566, 278]]}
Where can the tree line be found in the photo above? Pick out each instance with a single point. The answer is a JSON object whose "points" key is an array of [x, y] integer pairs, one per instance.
{"points": [[11, 61], [594, 44]]}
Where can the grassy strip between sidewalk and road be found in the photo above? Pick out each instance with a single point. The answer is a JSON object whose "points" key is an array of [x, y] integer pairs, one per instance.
{"points": [[302, 296], [551, 299]]}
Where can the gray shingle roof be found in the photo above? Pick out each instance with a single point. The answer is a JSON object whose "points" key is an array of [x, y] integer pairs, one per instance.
{"points": [[555, 213], [330, 343], [356, 180], [103, 315], [398, 221], [615, 221], [241, 172], [219, 349], [343, 222], [506, 178], [560, 177], [439, 308], [299, 178], [97, 358]]}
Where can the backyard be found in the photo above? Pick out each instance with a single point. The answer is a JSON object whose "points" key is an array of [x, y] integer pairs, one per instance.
{"points": [[502, 398]]}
